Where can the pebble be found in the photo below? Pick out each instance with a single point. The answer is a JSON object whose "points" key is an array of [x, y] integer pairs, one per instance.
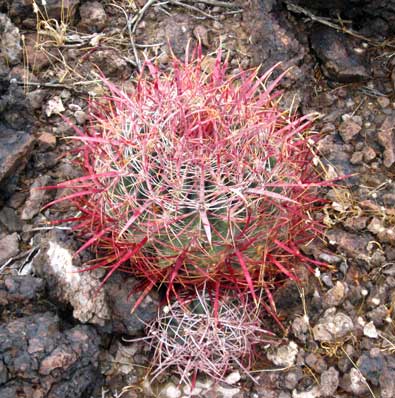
{"points": [[349, 129], [332, 326], [335, 296], [358, 383], [233, 377], [370, 330], [384, 102], [36, 198], [9, 247], [329, 382], [285, 355], [46, 140]]}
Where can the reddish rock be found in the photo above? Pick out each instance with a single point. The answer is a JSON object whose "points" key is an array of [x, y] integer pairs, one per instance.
{"points": [[349, 129], [386, 138]]}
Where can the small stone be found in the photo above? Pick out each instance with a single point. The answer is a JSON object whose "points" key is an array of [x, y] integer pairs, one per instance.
{"points": [[46, 140], [332, 326], [329, 382], [316, 362], [384, 102], [81, 117], [370, 330], [36, 198], [369, 154], [9, 247], [313, 393], [10, 219], [93, 16], [36, 98], [356, 158], [54, 106], [349, 129], [170, 391], [386, 138], [233, 377], [284, 355], [358, 384], [201, 33], [335, 296]]}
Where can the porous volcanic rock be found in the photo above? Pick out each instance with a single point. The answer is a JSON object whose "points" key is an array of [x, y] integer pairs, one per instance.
{"points": [[108, 307], [38, 360]]}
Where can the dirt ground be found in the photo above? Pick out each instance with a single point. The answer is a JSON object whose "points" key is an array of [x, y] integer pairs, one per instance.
{"points": [[55, 339]]}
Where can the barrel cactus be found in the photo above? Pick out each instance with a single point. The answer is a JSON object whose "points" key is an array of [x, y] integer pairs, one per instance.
{"points": [[196, 177]]}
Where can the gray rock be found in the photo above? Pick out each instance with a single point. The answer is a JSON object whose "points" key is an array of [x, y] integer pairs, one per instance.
{"points": [[20, 289], [335, 296], [43, 361], [22, 9], [348, 130], [10, 47], [108, 307], [284, 355], [332, 326], [15, 149], [36, 198], [9, 247], [329, 382], [358, 384], [339, 60], [93, 16], [386, 137], [10, 219]]}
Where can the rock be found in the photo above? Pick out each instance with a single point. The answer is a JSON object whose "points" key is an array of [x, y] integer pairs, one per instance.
{"points": [[384, 234], [93, 17], [36, 98], [335, 296], [284, 355], [81, 117], [201, 33], [9, 247], [63, 11], [233, 377], [329, 382], [20, 289], [369, 154], [386, 137], [387, 383], [371, 365], [300, 328], [353, 245], [339, 60], [108, 307], [15, 149], [332, 326], [54, 106], [292, 378], [316, 362], [313, 393], [42, 361], [10, 219], [357, 383], [36, 198], [384, 102], [46, 141], [170, 391], [111, 64], [369, 330], [10, 47], [273, 40], [349, 129], [356, 158], [36, 58], [15, 111]]}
